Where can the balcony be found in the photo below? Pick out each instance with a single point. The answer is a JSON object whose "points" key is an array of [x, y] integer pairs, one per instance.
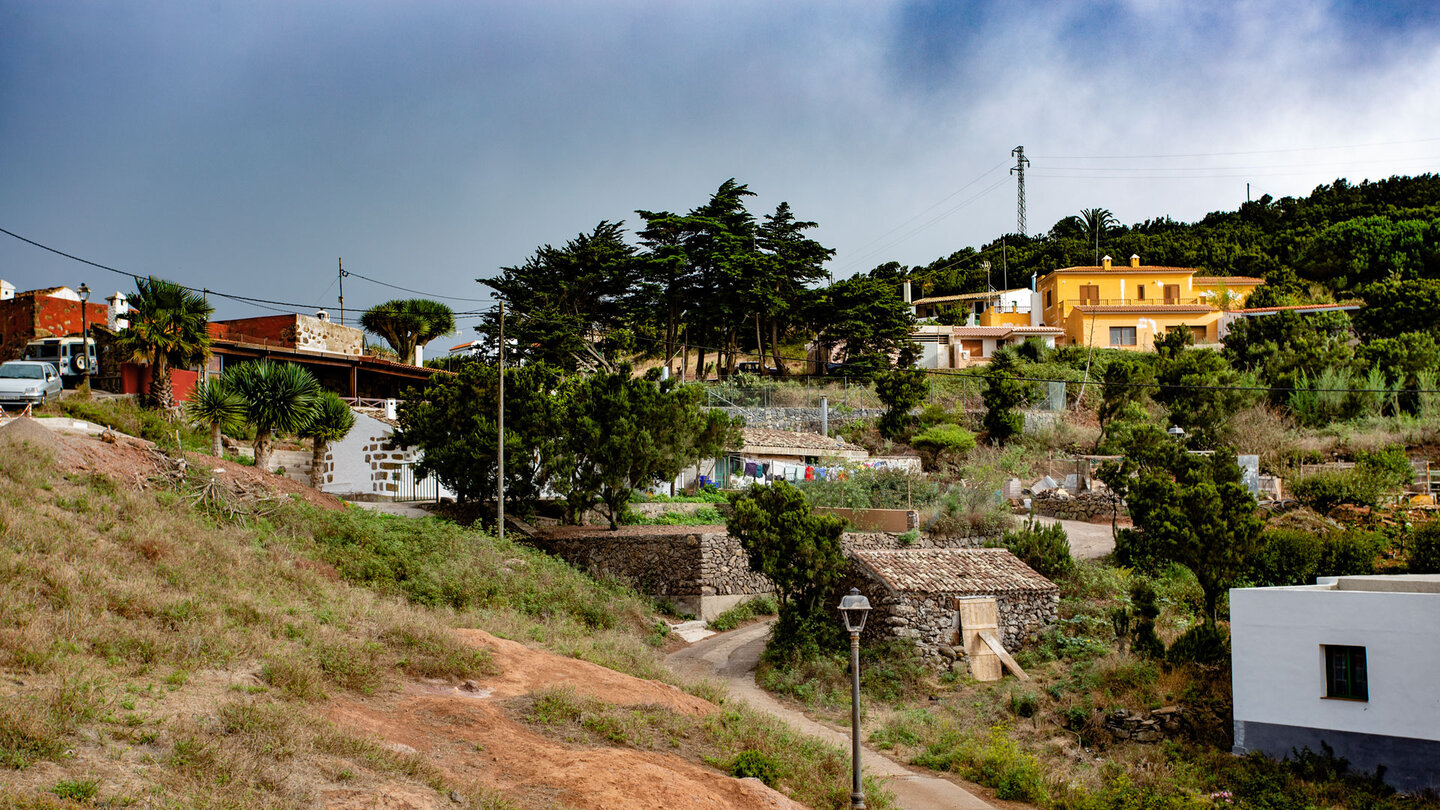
{"points": [[1071, 303]]}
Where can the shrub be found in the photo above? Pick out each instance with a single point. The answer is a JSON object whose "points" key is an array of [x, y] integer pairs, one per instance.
{"points": [[1044, 548], [1348, 553], [1286, 557], [744, 612], [1203, 644], [757, 764], [1425, 549], [1375, 475], [944, 439]]}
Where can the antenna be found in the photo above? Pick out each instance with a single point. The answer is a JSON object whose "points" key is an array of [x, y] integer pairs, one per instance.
{"points": [[1019, 171]]}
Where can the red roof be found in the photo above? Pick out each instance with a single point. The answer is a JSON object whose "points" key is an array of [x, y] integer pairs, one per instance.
{"points": [[1227, 280], [1144, 268]]}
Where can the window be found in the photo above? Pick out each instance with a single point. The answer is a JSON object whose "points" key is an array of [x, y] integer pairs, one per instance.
{"points": [[1122, 336], [1089, 293], [1140, 291], [1345, 674], [1049, 301], [1172, 293]]}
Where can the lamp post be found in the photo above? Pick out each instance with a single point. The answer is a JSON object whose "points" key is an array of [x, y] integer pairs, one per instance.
{"points": [[85, 333], [1176, 432], [854, 608]]}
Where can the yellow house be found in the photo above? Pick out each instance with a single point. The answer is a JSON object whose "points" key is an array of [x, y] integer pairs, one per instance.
{"points": [[1128, 307]]}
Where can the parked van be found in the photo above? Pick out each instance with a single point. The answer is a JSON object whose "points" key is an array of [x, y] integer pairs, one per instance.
{"points": [[65, 354]]}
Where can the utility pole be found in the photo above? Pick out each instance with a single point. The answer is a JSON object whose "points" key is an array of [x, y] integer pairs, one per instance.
{"points": [[500, 466], [340, 263], [1019, 171]]}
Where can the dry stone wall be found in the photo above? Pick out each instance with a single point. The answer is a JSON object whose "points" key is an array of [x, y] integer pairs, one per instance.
{"points": [[1096, 506], [929, 621], [798, 419]]}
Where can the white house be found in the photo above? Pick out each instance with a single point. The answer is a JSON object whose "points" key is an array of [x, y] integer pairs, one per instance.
{"points": [[368, 462], [1351, 662]]}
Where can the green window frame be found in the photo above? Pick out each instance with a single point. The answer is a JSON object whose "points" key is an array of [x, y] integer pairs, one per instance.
{"points": [[1347, 675]]}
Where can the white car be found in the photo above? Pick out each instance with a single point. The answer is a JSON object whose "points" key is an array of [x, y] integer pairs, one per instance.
{"points": [[28, 382]]}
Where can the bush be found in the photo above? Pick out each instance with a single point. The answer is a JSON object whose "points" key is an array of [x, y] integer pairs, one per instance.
{"points": [[756, 764], [1286, 557], [1348, 553], [744, 613], [1044, 548], [1203, 644], [1374, 476], [944, 438], [1425, 549]]}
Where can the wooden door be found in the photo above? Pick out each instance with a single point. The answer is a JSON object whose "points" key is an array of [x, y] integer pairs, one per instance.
{"points": [[1089, 293], [1172, 293]]}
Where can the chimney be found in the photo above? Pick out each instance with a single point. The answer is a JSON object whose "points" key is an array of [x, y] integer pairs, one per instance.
{"points": [[906, 289], [419, 355], [1105, 262], [392, 408], [1134, 259], [115, 307], [7, 290], [322, 315]]}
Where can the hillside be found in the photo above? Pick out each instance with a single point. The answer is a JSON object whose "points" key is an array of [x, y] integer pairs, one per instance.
{"points": [[173, 636]]}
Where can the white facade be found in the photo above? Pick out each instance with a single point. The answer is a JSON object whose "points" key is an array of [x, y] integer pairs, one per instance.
{"points": [[1278, 651], [367, 462]]}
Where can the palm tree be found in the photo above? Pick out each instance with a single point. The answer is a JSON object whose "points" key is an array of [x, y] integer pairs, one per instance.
{"points": [[278, 397], [166, 329], [331, 423], [407, 323], [214, 405], [1093, 222]]}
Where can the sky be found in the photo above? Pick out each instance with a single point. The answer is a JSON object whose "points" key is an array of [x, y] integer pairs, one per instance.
{"points": [[248, 147]]}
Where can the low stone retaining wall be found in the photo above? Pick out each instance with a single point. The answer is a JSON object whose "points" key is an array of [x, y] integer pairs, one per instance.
{"points": [[1096, 506], [799, 419]]}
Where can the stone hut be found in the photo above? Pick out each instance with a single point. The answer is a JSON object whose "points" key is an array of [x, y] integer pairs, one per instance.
{"points": [[914, 595]]}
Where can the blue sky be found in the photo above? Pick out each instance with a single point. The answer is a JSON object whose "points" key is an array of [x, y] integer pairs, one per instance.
{"points": [[245, 146]]}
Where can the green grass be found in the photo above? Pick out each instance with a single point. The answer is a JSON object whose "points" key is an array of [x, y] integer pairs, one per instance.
{"points": [[744, 613]]}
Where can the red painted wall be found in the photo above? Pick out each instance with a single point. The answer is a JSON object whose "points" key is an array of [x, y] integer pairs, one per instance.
{"points": [[25, 317], [135, 379], [276, 330]]}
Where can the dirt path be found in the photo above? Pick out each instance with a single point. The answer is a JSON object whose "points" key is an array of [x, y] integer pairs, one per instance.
{"points": [[732, 657], [1088, 541]]}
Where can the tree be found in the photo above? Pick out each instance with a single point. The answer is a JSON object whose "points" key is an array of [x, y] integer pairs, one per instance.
{"points": [[867, 317], [1094, 223], [1283, 347], [1002, 395], [1188, 508], [167, 329], [1395, 307], [788, 263], [454, 421], [1125, 389], [331, 422], [623, 433], [569, 306], [901, 389], [408, 323], [800, 553], [278, 397], [215, 406], [1199, 388]]}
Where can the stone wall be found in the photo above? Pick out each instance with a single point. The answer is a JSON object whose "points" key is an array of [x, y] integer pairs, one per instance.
{"points": [[1096, 506], [799, 419], [929, 621], [702, 569]]}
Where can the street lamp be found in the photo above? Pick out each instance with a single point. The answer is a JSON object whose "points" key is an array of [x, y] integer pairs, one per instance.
{"points": [[85, 333], [1176, 432], [854, 608]]}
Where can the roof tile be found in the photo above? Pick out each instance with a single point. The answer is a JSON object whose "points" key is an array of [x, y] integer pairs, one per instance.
{"points": [[953, 571]]}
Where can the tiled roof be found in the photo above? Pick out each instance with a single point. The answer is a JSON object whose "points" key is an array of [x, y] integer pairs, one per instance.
{"points": [[945, 299], [1227, 280], [1153, 309], [757, 439], [952, 571], [1004, 331], [1346, 307]]}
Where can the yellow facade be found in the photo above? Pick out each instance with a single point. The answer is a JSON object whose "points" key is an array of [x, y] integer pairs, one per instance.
{"points": [[998, 317], [1137, 327], [1142, 302]]}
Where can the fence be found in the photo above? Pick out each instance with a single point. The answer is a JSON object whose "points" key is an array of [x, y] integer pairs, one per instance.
{"points": [[409, 488], [1425, 481]]}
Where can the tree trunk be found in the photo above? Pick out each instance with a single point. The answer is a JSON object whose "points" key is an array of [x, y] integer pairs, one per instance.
{"points": [[160, 394], [759, 343], [317, 464], [263, 449], [775, 347], [216, 448]]}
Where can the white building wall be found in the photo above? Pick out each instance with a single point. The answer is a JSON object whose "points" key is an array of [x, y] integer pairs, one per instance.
{"points": [[366, 463], [1277, 668]]}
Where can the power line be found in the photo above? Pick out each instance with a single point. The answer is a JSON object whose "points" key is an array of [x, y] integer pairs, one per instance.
{"points": [[1230, 154], [353, 274]]}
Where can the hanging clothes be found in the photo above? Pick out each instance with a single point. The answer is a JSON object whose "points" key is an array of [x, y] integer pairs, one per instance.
{"points": [[809, 473]]}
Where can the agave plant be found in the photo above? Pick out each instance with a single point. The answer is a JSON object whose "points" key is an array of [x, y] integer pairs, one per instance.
{"points": [[214, 405], [332, 422], [278, 397]]}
